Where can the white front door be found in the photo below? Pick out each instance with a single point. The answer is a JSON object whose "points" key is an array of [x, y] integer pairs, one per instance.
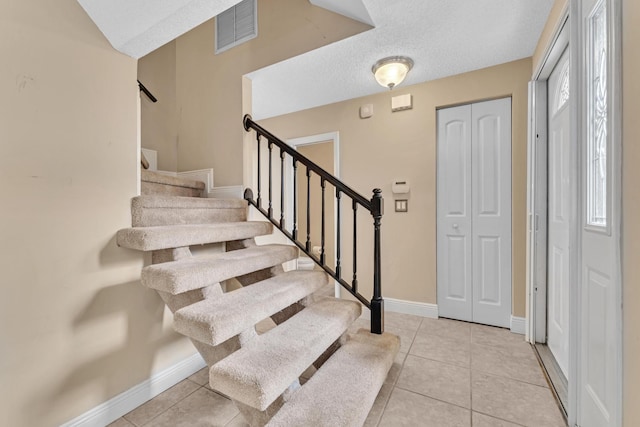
{"points": [[474, 212], [559, 213], [600, 282]]}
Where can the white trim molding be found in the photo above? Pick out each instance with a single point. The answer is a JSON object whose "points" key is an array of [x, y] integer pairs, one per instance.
{"points": [[393, 305], [125, 402], [229, 192], [422, 309], [204, 175], [518, 325]]}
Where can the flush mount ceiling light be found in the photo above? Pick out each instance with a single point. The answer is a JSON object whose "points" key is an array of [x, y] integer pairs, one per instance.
{"points": [[390, 72]]}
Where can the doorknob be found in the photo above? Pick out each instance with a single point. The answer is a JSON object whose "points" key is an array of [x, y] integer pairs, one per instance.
{"points": [[455, 226]]}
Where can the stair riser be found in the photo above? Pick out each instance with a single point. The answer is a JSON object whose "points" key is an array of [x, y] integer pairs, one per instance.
{"points": [[154, 188], [149, 217], [155, 183]]}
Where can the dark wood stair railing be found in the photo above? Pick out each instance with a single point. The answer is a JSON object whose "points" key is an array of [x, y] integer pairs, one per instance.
{"points": [[375, 206]]}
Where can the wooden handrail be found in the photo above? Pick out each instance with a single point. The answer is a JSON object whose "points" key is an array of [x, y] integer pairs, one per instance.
{"points": [[146, 92]]}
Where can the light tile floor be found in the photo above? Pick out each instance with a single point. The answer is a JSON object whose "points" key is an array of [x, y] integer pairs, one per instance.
{"points": [[448, 373]]}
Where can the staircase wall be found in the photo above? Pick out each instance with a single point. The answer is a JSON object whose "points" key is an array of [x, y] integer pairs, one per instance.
{"points": [[159, 120], [76, 327], [209, 87]]}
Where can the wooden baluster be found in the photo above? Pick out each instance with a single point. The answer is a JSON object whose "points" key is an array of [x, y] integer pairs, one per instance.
{"points": [[308, 243], [354, 282], [295, 199], [270, 210], [282, 189], [338, 268], [322, 227], [259, 173]]}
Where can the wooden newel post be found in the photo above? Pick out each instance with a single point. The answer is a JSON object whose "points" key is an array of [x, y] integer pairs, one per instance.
{"points": [[377, 303]]}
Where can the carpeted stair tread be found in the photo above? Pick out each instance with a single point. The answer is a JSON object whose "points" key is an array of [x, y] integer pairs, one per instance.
{"points": [[215, 320], [263, 369], [342, 391], [147, 211], [188, 274], [177, 236]]}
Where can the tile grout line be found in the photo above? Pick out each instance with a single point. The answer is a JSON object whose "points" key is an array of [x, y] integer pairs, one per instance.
{"points": [[503, 351], [493, 374], [413, 339], [511, 379], [440, 361], [395, 383], [166, 410], [432, 398], [501, 419]]}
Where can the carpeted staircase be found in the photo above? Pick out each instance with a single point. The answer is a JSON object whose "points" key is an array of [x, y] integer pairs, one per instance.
{"points": [[260, 373]]}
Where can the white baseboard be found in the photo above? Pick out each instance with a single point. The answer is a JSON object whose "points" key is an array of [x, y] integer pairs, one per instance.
{"points": [[393, 305], [230, 192], [422, 309], [518, 325], [125, 402]]}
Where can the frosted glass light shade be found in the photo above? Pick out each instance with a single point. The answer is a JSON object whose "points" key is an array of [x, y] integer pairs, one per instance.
{"points": [[390, 72]]}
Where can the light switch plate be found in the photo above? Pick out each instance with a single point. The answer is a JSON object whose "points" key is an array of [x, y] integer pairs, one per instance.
{"points": [[402, 205]]}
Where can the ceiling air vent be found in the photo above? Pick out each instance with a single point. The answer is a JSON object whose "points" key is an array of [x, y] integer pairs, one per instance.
{"points": [[236, 25]]}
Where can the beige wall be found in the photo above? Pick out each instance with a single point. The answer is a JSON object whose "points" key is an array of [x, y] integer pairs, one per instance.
{"points": [[159, 127], [390, 145], [631, 211], [556, 15], [76, 327], [209, 87]]}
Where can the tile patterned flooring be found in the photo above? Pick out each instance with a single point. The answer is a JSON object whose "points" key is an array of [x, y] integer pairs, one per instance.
{"points": [[447, 374]]}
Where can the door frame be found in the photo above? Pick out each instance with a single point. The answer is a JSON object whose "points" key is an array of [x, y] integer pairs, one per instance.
{"points": [[569, 32], [311, 140], [537, 173]]}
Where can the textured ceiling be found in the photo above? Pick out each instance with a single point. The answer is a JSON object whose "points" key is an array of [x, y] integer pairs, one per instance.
{"points": [[137, 27], [354, 9], [443, 37]]}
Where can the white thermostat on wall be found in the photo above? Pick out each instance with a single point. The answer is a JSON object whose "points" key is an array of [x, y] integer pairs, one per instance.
{"points": [[366, 111]]}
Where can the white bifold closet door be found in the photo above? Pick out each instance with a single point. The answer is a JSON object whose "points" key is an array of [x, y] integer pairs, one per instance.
{"points": [[474, 212]]}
